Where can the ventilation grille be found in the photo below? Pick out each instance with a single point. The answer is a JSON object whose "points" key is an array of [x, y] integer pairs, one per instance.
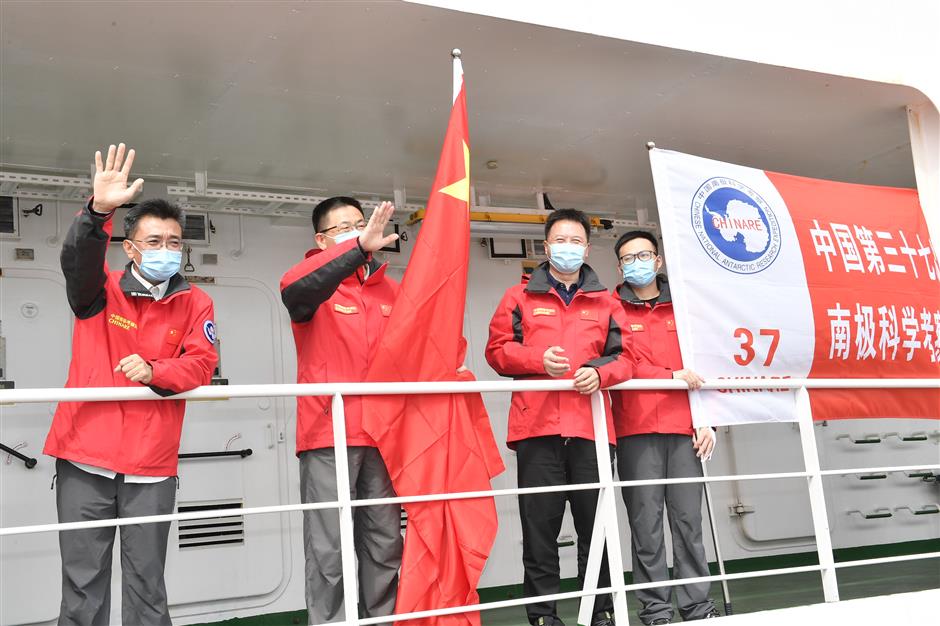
{"points": [[197, 228], [7, 216], [212, 531]]}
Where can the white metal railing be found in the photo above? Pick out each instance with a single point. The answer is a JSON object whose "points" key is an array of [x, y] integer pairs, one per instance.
{"points": [[606, 527]]}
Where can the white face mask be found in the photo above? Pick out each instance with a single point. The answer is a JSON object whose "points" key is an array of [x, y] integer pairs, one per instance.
{"points": [[351, 234]]}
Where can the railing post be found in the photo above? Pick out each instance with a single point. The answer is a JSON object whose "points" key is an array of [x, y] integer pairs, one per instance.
{"points": [[817, 497], [606, 527], [346, 537]]}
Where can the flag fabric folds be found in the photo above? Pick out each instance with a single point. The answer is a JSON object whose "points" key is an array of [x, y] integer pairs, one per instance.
{"points": [[443, 442]]}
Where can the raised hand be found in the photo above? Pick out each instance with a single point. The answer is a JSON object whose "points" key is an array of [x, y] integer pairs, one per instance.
{"points": [[373, 237], [110, 185]]}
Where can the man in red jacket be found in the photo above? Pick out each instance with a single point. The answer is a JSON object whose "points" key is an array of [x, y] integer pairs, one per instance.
{"points": [[655, 439], [560, 324], [143, 325], [339, 300]]}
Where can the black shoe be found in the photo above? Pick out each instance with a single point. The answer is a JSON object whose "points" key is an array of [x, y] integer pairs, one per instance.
{"points": [[662, 620], [548, 620], [711, 614], [603, 619]]}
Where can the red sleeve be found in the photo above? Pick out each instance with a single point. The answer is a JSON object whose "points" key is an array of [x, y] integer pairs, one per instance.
{"points": [[617, 363], [311, 282], [506, 351], [195, 365]]}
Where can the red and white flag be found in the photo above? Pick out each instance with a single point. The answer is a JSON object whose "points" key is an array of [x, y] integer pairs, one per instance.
{"points": [[779, 276]]}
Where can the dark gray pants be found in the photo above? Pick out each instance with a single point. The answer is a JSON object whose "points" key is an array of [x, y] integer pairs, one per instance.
{"points": [[86, 554], [376, 529], [643, 457], [551, 461]]}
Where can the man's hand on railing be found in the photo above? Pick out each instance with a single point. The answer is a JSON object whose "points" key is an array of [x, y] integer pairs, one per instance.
{"points": [[693, 380], [587, 380]]}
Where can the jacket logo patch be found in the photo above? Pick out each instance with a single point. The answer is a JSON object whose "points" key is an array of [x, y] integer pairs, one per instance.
{"points": [[670, 324], [121, 322], [386, 309], [543, 311], [637, 328], [208, 329], [588, 314], [346, 310]]}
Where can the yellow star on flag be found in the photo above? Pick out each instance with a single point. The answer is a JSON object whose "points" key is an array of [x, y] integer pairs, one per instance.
{"points": [[461, 188]]}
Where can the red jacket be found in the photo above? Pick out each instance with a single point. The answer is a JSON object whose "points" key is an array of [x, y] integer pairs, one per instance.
{"points": [[530, 319], [338, 318], [115, 316], [656, 344]]}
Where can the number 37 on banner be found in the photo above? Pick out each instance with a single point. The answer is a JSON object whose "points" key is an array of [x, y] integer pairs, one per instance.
{"points": [[768, 338]]}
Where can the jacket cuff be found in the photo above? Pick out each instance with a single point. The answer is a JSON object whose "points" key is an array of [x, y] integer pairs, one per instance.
{"points": [[91, 210]]}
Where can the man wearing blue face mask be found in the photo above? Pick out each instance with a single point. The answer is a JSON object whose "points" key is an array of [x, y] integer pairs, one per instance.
{"points": [[144, 325], [339, 300], [655, 439], [560, 324]]}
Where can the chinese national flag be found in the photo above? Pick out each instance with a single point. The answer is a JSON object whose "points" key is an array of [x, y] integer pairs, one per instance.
{"points": [[437, 443]]}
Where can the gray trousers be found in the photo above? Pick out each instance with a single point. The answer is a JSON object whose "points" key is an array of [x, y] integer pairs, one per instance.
{"points": [[86, 554], [376, 530], [650, 456]]}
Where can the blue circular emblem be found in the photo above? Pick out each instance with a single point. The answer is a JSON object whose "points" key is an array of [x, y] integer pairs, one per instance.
{"points": [[208, 328], [735, 225]]}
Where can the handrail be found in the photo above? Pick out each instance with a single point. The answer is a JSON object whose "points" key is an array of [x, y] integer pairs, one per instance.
{"points": [[813, 474], [28, 461], [210, 392], [435, 497], [211, 455]]}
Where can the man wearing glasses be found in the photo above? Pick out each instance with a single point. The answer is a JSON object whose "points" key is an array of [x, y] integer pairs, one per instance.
{"points": [[655, 439], [144, 325], [339, 300], [560, 324]]}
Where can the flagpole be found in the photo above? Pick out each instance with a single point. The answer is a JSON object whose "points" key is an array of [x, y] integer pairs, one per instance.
{"points": [[458, 72]]}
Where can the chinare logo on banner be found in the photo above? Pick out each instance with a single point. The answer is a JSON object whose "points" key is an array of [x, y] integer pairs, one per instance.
{"points": [[735, 225], [776, 276]]}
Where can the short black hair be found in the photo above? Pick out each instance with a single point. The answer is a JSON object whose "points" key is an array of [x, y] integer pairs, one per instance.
{"points": [[569, 215], [157, 207], [635, 234], [323, 209]]}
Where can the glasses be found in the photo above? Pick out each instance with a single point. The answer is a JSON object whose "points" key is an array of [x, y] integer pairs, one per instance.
{"points": [[155, 243], [645, 255], [345, 227]]}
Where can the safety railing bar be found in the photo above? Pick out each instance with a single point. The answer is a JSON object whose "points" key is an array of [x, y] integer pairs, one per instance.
{"points": [[210, 392], [288, 508], [500, 604], [465, 495], [889, 559], [884, 470]]}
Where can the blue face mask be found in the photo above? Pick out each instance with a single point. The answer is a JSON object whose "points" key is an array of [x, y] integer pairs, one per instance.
{"points": [[567, 258], [159, 265], [640, 273], [352, 234]]}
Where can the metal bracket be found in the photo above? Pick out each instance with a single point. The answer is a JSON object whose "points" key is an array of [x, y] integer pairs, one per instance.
{"points": [[740, 509], [879, 513]]}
